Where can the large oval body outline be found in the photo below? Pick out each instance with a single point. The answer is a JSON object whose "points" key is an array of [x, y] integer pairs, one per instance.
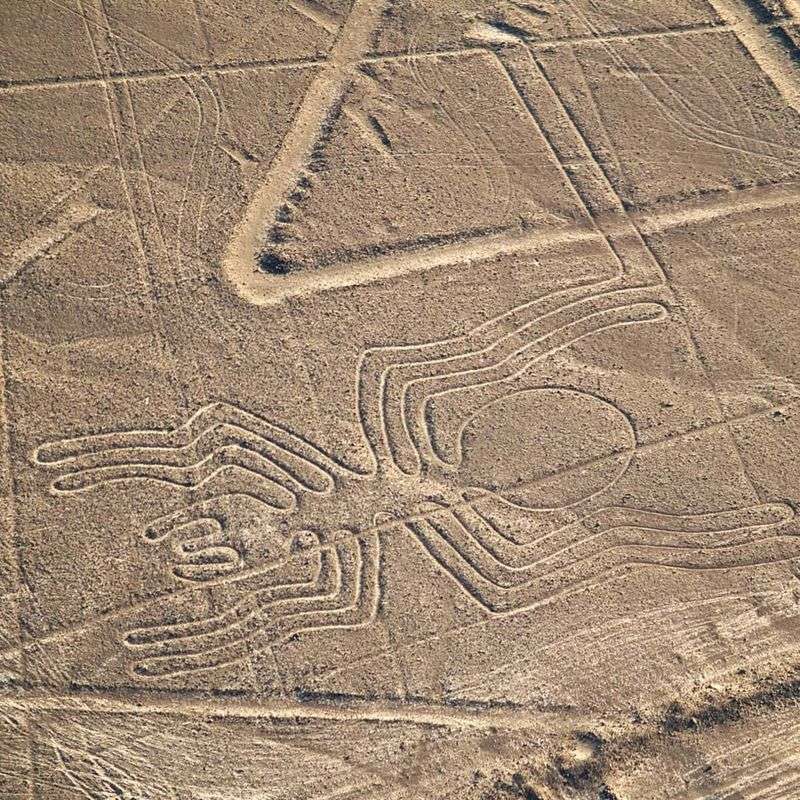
{"points": [[629, 451]]}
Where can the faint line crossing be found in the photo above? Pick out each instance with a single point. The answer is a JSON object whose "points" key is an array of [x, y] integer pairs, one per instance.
{"points": [[278, 64], [117, 76], [644, 254], [47, 239]]}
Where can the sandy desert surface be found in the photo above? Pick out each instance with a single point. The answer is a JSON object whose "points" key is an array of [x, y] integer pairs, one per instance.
{"points": [[401, 400]]}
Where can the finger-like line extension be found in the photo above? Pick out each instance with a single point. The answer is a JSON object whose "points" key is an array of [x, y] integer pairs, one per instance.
{"points": [[539, 348], [210, 416], [460, 539], [201, 571], [400, 381], [173, 666], [190, 475], [513, 339], [585, 549], [602, 565], [357, 609], [243, 610], [412, 378], [489, 332], [362, 594], [767, 549], [250, 614], [479, 521], [210, 440], [493, 598], [204, 517], [208, 517], [509, 554], [674, 530], [212, 554], [307, 454], [511, 531], [729, 520], [586, 541], [617, 549], [197, 542], [274, 578], [376, 362], [194, 477], [197, 534], [419, 396]]}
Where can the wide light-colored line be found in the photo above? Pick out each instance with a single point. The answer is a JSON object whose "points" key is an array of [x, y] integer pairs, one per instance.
{"points": [[269, 289], [322, 97], [264, 289], [732, 204], [768, 54], [476, 716]]}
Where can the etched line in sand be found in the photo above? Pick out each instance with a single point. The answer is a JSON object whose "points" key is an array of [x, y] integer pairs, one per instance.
{"points": [[289, 64], [320, 102], [441, 510], [623, 36], [45, 241], [387, 526], [678, 30], [116, 76], [270, 65], [639, 260], [607, 218], [507, 578], [136, 182], [479, 716], [11, 573], [529, 79], [766, 52], [318, 14], [413, 258], [753, 202]]}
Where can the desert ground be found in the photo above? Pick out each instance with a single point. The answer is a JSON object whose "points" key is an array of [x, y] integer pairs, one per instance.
{"points": [[400, 400]]}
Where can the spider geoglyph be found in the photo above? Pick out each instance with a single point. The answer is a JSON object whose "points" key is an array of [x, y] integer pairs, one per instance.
{"points": [[286, 539]]}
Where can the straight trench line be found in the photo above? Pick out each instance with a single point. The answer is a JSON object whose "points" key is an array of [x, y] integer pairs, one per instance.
{"points": [[316, 110], [732, 204], [10, 85], [55, 82], [278, 65], [414, 712], [686, 30], [277, 289], [363, 271], [767, 54], [644, 247]]}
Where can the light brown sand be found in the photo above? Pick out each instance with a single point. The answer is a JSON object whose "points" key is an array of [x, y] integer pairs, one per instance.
{"points": [[400, 400]]}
